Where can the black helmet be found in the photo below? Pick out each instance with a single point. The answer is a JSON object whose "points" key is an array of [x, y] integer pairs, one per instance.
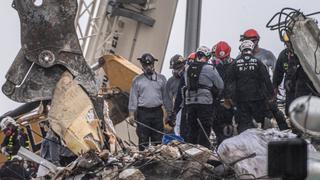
{"points": [[147, 59], [177, 61]]}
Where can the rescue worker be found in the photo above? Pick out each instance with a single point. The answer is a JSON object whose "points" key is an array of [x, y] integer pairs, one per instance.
{"points": [[282, 72], [203, 84], [269, 60], [15, 137], [177, 64], [179, 103], [222, 124], [266, 56], [246, 81], [147, 95]]}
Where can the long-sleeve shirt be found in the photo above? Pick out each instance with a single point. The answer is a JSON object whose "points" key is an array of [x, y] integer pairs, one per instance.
{"points": [[281, 68], [209, 77], [248, 80], [148, 92], [179, 101], [266, 57], [172, 89]]}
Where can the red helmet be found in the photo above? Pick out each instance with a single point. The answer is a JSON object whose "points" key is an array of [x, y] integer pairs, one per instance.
{"points": [[192, 56], [222, 50], [250, 34]]}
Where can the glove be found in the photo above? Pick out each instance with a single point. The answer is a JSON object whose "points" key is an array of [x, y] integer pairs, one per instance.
{"points": [[171, 120], [228, 103], [131, 119], [4, 151]]}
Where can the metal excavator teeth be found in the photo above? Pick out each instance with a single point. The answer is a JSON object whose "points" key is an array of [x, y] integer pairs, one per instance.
{"points": [[49, 47]]}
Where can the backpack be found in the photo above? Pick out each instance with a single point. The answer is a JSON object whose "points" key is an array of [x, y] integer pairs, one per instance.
{"points": [[193, 74]]}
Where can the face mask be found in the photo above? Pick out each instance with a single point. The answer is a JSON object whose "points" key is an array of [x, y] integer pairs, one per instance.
{"points": [[148, 69]]}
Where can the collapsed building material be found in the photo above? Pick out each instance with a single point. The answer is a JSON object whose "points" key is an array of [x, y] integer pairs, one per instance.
{"points": [[304, 37], [73, 117], [247, 152], [45, 168], [131, 174]]}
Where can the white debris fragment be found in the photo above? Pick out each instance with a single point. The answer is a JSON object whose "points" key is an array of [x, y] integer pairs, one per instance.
{"points": [[251, 141], [131, 174], [201, 154], [170, 152]]}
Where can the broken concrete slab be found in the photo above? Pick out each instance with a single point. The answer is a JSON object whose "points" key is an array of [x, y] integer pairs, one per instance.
{"points": [[131, 174]]}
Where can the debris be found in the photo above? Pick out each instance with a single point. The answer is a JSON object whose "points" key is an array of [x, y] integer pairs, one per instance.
{"points": [[247, 152], [131, 174], [170, 152], [28, 155], [196, 152]]}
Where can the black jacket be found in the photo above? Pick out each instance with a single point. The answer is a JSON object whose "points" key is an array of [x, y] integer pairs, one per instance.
{"points": [[223, 70], [248, 80]]}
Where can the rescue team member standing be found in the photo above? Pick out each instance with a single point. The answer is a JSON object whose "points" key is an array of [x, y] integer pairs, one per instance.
{"points": [[14, 137], [203, 84], [222, 123], [283, 73], [247, 80], [177, 64], [269, 60], [147, 95]]}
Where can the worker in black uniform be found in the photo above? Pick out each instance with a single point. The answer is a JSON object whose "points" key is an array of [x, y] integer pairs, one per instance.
{"points": [[282, 71], [177, 64], [248, 87], [222, 123], [147, 95], [303, 86], [269, 61], [203, 84]]}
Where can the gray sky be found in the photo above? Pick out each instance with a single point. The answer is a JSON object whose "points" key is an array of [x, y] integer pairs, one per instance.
{"points": [[221, 20]]}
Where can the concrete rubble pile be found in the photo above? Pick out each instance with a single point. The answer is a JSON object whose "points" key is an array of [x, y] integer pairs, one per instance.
{"points": [[173, 161]]}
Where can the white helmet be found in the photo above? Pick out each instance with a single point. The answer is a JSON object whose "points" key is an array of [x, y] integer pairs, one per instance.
{"points": [[246, 45], [5, 122], [203, 52]]}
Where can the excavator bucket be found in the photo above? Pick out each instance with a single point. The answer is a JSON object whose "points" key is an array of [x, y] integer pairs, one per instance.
{"points": [[49, 46], [121, 70], [305, 39], [73, 118]]}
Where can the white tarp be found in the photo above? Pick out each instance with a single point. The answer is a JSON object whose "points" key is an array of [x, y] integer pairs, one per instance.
{"points": [[249, 142]]}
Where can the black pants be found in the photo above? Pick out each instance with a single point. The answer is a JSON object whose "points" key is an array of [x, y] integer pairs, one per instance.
{"points": [[203, 113], [279, 116], [248, 110], [222, 122], [184, 125], [152, 117]]}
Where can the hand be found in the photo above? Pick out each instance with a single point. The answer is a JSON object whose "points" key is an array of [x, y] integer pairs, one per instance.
{"points": [[171, 120], [228, 103], [131, 119]]}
